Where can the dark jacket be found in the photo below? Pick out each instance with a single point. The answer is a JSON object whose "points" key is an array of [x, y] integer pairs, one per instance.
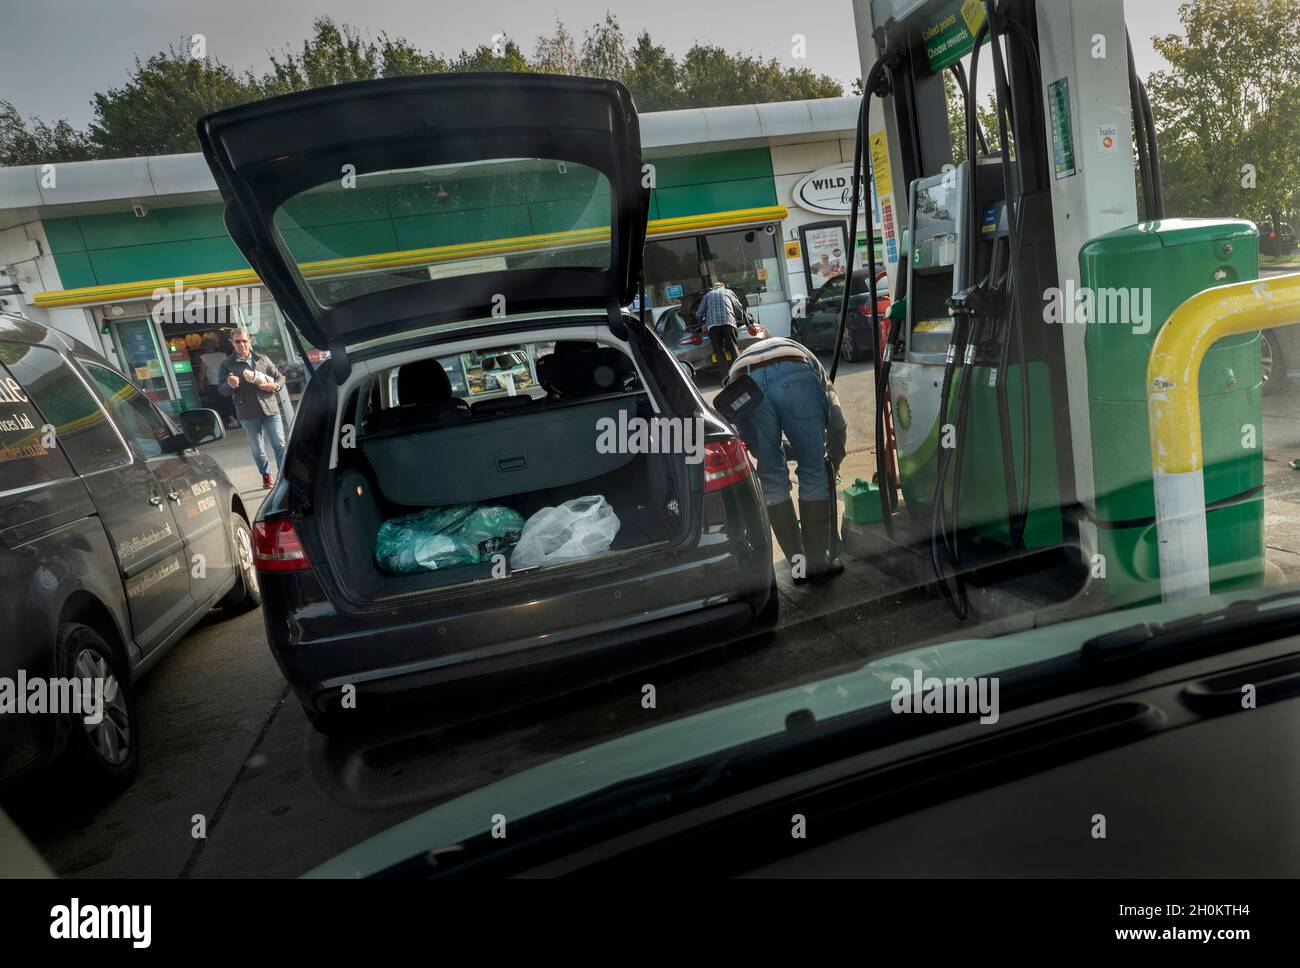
{"points": [[249, 400]]}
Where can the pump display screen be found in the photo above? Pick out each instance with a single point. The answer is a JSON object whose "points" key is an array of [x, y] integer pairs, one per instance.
{"points": [[935, 237]]}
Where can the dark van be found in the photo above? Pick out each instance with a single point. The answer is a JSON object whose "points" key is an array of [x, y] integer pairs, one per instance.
{"points": [[116, 537]]}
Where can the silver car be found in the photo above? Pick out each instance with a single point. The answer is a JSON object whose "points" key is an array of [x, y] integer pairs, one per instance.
{"points": [[689, 340]]}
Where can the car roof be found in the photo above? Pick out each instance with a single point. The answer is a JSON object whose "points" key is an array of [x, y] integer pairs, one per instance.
{"points": [[20, 329]]}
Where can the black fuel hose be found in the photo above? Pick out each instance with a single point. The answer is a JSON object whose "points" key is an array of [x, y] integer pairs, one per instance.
{"points": [[964, 332], [959, 72], [1015, 213], [966, 338], [859, 156], [862, 166], [1144, 138]]}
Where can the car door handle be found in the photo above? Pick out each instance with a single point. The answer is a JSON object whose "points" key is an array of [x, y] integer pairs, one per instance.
{"points": [[156, 500], [174, 496]]}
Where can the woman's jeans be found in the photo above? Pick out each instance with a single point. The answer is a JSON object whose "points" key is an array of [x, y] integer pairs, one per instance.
{"points": [[794, 404]]}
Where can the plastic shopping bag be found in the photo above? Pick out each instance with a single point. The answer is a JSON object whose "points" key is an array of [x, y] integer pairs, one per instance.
{"points": [[443, 537], [423, 542], [575, 530], [491, 530]]}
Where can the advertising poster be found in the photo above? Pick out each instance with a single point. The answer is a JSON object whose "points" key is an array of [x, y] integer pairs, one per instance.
{"points": [[826, 253]]}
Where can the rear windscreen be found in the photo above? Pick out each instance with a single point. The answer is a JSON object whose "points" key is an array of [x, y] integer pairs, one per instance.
{"points": [[382, 230]]}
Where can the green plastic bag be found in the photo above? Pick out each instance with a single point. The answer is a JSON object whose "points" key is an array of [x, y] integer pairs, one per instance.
{"points": [[491, 530], [423, 542], [445, 537]]}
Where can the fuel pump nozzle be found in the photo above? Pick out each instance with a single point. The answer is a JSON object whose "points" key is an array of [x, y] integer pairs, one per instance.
{"points": [[980, 301]]}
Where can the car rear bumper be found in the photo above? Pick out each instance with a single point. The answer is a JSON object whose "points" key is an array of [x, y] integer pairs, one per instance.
{"points": [[612, 649], [685, 599]]}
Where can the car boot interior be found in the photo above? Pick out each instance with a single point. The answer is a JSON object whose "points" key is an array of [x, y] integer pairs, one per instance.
{"points": [[536, 448]]}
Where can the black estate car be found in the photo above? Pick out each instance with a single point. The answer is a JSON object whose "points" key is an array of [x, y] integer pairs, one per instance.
{"points": [[413, 226], [116, 537]]}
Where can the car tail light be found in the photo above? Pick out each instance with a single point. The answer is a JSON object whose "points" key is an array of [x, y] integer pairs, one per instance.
{"points": [[726, 462], [695, 340], [756, 330], [276, 547]]}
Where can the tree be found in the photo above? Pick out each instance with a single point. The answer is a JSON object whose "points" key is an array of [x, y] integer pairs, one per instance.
{"points": [[711, 76], [604, 51], [41, 143], [956, 117], [651, 75], [398, 58], [332, 55], [1230, 99], [484, 58], [557, 54], [155, 111]]}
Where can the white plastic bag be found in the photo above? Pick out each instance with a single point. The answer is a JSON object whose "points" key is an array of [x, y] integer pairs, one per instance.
{"points": [[576, 529]]}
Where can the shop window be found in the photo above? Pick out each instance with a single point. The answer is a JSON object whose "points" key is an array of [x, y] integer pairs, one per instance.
{"points": [[678, 271], [263, 322], [745, 260], [672, 271]]}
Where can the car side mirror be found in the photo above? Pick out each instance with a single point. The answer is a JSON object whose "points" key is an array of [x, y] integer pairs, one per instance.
{"points": [[202, 426]]}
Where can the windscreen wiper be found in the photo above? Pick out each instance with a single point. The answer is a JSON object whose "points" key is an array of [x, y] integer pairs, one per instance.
{"points": [[1243, 622]]}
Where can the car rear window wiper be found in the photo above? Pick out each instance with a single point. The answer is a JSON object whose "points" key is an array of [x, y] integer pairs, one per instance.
{"points": [[1242, 622]]}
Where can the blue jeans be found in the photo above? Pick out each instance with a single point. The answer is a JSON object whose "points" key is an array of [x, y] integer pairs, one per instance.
{"points": [[794, 404], [253, 427]]}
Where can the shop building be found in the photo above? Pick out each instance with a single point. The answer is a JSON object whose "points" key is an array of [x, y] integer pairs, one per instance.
{"points": [[132, 256]]}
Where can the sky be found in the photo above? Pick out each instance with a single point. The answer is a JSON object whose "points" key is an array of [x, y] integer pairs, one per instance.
{"points": [[54, 54]]}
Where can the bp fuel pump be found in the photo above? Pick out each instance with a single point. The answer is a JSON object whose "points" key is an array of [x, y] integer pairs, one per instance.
{"points": [[1008, 418]]}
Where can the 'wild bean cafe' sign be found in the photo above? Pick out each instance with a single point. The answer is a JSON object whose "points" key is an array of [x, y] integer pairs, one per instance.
{"points": [[829, 191]]}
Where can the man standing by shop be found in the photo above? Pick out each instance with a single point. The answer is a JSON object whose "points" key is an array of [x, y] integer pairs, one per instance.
{"points": [[252, 381], [799, 404], [722, 313]]}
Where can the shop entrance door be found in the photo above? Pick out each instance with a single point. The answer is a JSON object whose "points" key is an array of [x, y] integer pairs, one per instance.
{"points": [[143, 360]]}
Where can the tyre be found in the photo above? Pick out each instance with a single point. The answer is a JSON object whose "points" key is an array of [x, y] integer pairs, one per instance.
{"points": [[849, 351], [102, 756], [247, 593], [1271, 364]]}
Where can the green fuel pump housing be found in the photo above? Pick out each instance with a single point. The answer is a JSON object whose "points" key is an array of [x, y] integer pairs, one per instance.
{"points": [[1136, 276]]}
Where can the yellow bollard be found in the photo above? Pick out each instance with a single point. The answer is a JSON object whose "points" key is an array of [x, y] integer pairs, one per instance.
{"points": [[1174, 412]]}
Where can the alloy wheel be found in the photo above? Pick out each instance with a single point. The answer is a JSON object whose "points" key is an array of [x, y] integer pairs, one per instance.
{"points": [[111, 736]]}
